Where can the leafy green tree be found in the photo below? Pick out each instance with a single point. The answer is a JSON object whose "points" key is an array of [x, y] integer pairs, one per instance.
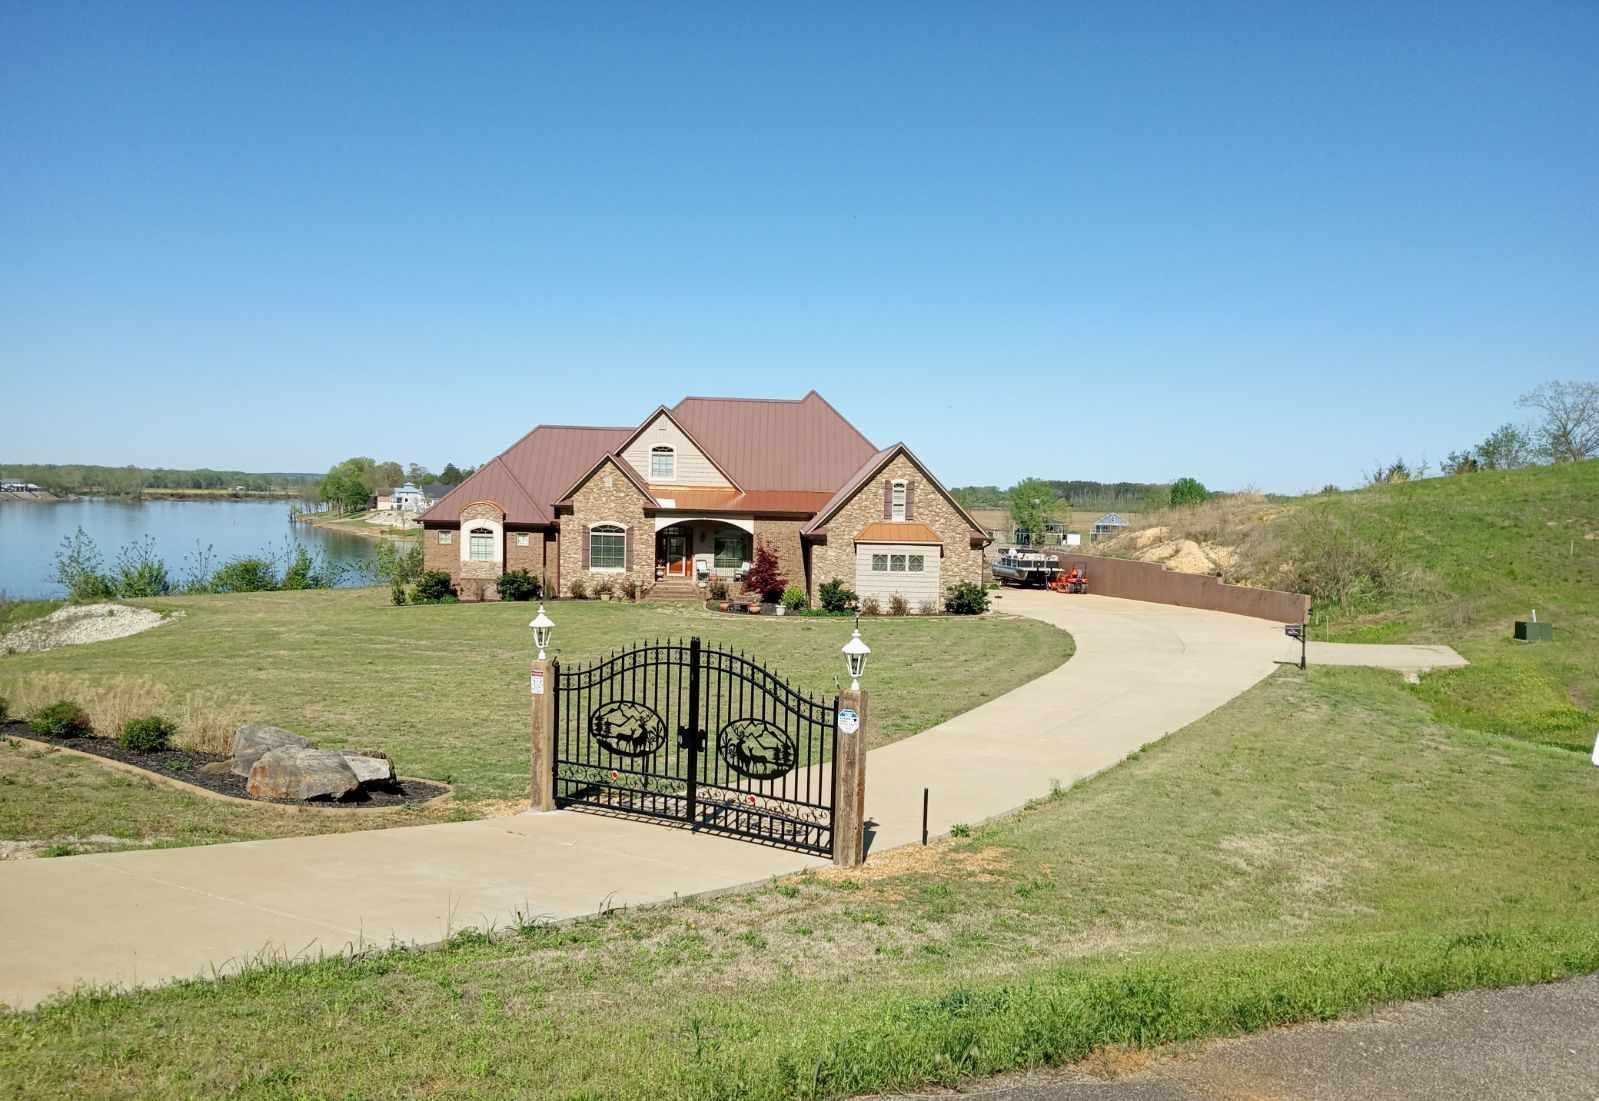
{"points": [[1033, 502], [418, 474], [451, 475], [348, 485], [1506, 448], [1188, 491], [387, 476], [78, 569]]}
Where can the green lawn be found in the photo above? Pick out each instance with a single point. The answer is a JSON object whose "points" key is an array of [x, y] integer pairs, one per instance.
{"points": [[1316, 846], [1475, 553], [443, 689]]}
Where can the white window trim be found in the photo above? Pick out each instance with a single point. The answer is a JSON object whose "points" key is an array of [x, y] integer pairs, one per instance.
{"points": [[496, 527], [472, 534], [897, 500], [621, 530], [663, 449]]}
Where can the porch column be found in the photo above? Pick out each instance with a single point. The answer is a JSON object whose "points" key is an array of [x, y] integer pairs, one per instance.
{"points": [[544, 681], [849, 781]]}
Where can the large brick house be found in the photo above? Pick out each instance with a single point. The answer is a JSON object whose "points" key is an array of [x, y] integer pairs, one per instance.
{"points": [[686, 495]]}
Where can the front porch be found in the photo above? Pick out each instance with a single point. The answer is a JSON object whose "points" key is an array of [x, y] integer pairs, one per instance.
{"points": [[695, 549]]}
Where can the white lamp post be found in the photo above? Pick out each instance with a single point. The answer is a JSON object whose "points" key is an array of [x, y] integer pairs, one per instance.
{"points": [[542, 625], [855, 652]]}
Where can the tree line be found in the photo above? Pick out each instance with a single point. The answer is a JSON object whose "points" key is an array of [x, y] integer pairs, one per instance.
{"points": [[85, 479], [350, 485]]}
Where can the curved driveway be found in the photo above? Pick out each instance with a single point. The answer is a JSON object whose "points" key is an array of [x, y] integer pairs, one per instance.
{"points": [[1140, 672]]}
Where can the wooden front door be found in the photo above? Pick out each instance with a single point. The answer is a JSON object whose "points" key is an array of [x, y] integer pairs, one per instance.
{"points": [[674, 552]]}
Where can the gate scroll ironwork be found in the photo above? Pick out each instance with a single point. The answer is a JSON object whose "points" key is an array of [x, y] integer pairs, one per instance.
{"points": [[700, 735]]}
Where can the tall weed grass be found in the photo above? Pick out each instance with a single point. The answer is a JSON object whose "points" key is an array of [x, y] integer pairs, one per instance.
{"points": [[206, 718]]}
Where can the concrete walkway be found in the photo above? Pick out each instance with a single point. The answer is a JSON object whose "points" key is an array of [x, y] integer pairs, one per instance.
{"points": [[1532, 1043], [1141, 671]]}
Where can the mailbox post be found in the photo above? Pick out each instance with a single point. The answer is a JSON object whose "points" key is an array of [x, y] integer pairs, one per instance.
{"points": [[1299, 631]]}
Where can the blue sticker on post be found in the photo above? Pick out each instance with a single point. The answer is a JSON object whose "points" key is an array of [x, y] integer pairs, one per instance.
{"points": [[848, 720]]}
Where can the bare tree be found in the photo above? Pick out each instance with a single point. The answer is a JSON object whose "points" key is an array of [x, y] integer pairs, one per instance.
{"points": [[1569, 429]]}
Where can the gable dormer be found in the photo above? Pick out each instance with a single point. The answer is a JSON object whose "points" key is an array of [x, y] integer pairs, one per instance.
{"points": [[663, 454]]}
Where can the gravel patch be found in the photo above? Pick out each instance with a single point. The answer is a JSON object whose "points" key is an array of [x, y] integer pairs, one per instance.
{"points": [[77, 624]]}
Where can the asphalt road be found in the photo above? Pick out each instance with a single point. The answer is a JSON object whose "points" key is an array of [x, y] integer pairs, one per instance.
{"points": [[1539, 1042]]}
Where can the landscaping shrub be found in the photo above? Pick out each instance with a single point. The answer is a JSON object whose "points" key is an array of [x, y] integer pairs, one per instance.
{"points": [[304, 573], [966, 598], [390, 563], [78, 570], [603, 588], [397, 592], [518, 585], [870, 606], [433, 587], [794, 598], [245, 575], [718, 588], [62, 719], [577, 590], [147, 735], [836, 596], [764, 579], [140, 572], [629, 589], [928, 607], [898, 605]]}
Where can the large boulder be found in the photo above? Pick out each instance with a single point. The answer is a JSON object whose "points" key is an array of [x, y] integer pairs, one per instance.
{"points": [[252, 740], [294, 773], [370, 768]]}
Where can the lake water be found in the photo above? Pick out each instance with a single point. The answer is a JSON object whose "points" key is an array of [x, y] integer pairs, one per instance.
{"points": [[31, 533]]}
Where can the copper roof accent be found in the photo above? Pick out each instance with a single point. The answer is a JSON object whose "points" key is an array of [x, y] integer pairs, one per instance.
{"points": [[898, 531], [794, 502], [866, 473], [766, 444], [530, 474]]}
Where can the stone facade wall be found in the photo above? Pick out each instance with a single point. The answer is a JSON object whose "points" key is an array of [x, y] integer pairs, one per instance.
{"points": [[607, 496], [439, 556], [784, 537], [836, 558]]}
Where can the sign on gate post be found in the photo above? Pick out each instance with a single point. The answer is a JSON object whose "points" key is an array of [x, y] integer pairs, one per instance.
{"points": [[849, 781], [543, 678]]}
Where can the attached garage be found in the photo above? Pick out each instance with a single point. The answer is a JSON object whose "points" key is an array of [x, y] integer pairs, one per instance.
{"points": [[897, 558]]}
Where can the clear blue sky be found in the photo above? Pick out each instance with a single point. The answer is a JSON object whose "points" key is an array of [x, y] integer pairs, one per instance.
{"points": [[1260, 244]]}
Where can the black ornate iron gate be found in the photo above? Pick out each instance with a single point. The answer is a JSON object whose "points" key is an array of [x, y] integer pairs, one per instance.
{"points": [[700, 735]]}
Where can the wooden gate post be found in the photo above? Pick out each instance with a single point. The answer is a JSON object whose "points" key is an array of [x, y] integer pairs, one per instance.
{"points": [[545, 681], [849, 781]]}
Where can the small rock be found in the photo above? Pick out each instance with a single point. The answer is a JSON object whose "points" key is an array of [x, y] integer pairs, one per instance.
{"points": [[252, 740], [216, 768], [369, 769], [294, 773]]}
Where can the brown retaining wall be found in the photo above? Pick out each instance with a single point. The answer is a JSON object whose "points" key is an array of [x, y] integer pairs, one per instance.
{"points": [[1155, 583]]}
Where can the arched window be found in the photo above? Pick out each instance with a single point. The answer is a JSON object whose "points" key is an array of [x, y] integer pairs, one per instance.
{"points": [[480, 544], [663, 463], [607, 547], [897, 510]]}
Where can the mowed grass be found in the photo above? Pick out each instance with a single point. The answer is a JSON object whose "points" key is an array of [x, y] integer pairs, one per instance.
{"points": [[1317, 846], [444, 690], [1475, 553]]}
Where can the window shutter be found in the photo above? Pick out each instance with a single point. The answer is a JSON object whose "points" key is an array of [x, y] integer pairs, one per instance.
{"points": [[888, 499], [910, 500], [588, 541], [627, 547]]}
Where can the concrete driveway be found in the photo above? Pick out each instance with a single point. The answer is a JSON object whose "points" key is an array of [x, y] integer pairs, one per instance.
{"points": [[1141, 671]]}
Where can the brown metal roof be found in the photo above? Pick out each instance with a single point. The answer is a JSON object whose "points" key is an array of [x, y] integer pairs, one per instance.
{"points": [[766, 444], [796, 502], [529, 475], [898, 531]]}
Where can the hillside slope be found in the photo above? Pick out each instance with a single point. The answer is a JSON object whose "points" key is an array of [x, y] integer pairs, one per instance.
{"points": [[1454, 560]]}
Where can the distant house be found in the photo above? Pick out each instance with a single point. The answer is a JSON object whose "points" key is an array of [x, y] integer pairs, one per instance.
{"points": [[407, 498], [19, 487], [1106, 526]]}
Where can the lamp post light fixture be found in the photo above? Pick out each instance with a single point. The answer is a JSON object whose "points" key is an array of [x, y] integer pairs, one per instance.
{"points": [[542, 626], [855, 652]]}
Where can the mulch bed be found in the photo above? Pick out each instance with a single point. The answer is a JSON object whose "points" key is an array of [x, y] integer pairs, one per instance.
{"points": [[188, 766]]}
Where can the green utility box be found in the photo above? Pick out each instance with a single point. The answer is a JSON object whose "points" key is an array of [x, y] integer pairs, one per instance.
{"points": [[1534, 631]]}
